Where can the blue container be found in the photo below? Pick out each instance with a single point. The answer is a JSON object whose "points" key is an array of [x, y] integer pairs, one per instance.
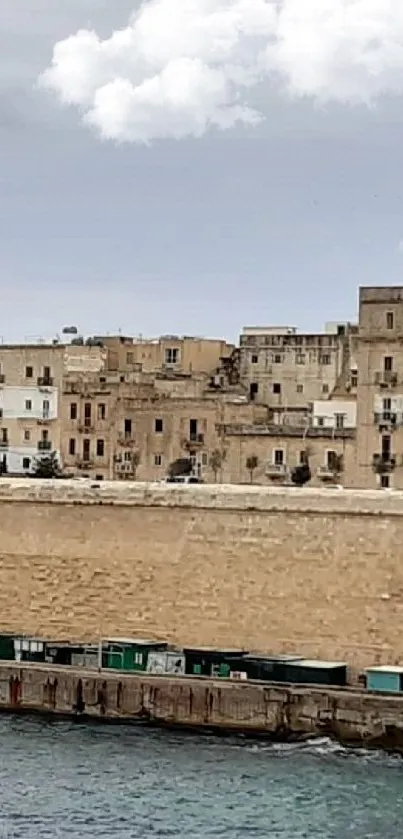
{"points": [[385, 679]]}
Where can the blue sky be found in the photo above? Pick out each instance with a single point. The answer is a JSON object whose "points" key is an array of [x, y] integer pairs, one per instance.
{"points": [[277, 222]]}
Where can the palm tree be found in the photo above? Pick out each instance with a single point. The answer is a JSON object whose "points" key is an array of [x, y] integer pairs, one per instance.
{"points": [[47, 466], [252, 462]]}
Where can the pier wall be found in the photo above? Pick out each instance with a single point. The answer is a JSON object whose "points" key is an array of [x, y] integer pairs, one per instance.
{"points": [[280, 712], [313, 572]]}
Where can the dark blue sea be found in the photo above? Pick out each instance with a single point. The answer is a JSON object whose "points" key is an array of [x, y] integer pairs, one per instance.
{"points": [[76, 781]]}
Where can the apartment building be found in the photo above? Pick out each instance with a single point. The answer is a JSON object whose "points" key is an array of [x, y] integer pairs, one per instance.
{"points": [[185, 355], [380, 388], [286, 370], [275, 451], [31, 386], [128, 430], [30, 378]]}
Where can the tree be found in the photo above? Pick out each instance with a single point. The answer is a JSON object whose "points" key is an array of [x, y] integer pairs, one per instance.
{"points": [[47, 466], [300, 475], [135, 462], [252, 462], [216, 461]]}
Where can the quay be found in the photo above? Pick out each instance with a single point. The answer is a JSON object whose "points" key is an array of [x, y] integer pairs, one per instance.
{"points": [[261, 709]]}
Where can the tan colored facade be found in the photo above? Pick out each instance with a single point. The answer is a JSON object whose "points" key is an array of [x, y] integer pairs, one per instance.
{"points": [[314, 573], [140, 405], [287, 371], [380, 388], [178, 354]]}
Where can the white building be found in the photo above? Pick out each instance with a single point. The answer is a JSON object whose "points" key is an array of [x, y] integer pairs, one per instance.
{"points": [[334, 413], [29, 426]]}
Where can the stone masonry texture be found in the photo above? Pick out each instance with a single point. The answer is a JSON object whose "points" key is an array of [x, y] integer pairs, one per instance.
{"points": [[312, 572]]}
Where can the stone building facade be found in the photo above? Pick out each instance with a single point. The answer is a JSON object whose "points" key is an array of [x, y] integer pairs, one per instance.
{"points": [[124, 408]]}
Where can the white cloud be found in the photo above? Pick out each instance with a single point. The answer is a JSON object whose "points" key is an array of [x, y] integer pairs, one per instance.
{"points": [[183, 66]]}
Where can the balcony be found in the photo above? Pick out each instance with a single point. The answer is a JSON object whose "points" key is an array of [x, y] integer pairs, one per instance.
{"points": [[386, 379], [194, 441], [45, 381], [44, 445], [85, 463], [383, 463], [386, 420], [126, 440], [87, 428], [276, 471]]}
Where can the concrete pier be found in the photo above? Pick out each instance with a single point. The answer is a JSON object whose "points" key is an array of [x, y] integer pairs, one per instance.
{"points": [[280, 712]]}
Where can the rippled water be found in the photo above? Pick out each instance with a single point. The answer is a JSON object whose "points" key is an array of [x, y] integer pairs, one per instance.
{"points": [[69, 780]]}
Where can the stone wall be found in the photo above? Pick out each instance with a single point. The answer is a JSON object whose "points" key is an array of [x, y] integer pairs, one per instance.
{"points": [[315, 572], [280, 712]]}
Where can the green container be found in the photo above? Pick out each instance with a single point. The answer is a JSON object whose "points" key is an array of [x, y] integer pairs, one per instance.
{"points": [[7, 652], [128, 654]]}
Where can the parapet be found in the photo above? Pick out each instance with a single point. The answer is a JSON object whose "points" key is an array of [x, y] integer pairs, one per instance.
{"points": [[240, 498]]}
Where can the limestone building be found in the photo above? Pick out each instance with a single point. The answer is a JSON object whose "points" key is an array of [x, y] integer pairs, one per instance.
{"points": [[288, 370], [380, 388]]}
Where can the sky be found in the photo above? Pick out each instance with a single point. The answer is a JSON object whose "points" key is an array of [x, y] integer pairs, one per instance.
{"points": [[194, 167]]}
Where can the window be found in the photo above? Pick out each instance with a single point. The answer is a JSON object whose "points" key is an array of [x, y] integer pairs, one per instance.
{"points": [[45, 435], [390, 320], [99, 477], [45, 408], [128, 457], [87, 414], [325, 388], [300, 388], [171, 355], [278, 359], [387, 404], [72, 446], [27, 434], [100, 448], [385, 481], [73, 410], [129, 358], [86, 449], [386, 447], [157, 460], [26, 462], [128, 428], [388, 363], [354, 378], [29, 372], [278, 457], [138, 658], [4, 435], [46, 373], [193, 429], [1, 413], [321, 422], [101, 411], [331, 460], [159, 426], [339, 418], [255, 359], [277, 387], [300, 358], [303, 457], [28, 405], [325, 359], [253, 391]]}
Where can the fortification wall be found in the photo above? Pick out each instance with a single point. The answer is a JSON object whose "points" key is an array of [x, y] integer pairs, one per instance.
{"points": [[317, 572]]}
